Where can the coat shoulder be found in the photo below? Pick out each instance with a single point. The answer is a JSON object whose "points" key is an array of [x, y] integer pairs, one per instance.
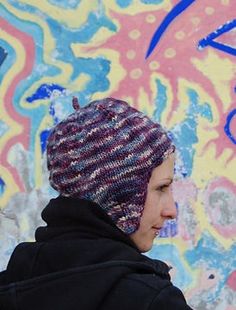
{"points": [[146, 292], [135, 291]]}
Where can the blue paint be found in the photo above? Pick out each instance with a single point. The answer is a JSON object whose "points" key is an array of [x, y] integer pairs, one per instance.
{"points": [[170, 17], [3, 128], [43, 139], [170, 229], [2, 186], [64, 38], [185, 133], [44, 92], [170, 254], [227, 130], [209, 40], [3, 55], [71, 4], [61, 108], [9, 60], [212, 255], [124, 3], [152, 1], [65, 35], [36, 32], [160, 101]]}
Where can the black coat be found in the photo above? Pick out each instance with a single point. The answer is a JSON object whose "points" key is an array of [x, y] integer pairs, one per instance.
{"points": [[81, 261]]}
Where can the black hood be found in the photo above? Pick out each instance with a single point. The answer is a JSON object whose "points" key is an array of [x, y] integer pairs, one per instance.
{"points": [[79, 255]]}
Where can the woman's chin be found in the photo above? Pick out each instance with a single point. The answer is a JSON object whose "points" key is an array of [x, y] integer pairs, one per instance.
{"points": [[145, 247]]}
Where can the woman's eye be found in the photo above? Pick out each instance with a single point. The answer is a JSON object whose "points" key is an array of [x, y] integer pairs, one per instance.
{"points": [[162, 188]]}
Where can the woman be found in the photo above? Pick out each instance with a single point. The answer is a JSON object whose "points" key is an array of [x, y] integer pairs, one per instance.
{"points": [[113, 169]]}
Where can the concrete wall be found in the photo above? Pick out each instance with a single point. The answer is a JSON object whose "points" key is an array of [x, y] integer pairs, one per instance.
{"points": [[175, 61]]}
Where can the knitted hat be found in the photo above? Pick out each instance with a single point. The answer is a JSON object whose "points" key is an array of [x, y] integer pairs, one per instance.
{"points": [[105, 152]]}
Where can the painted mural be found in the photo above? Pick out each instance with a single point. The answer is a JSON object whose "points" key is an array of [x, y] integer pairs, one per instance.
{"points": [[174, 60]]}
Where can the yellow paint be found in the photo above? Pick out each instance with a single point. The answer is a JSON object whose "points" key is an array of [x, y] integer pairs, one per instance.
{"points": [[131, 54], [24, 225], [205, 225], [154, 65], [134, 34], [10, 189], [195, 21], [220, 72], [219, 167], [169, 94], [100, 38], [48, 41], [144, 102], [136, 7], [80, 83], [180, 244], [209, 10], [180, 35], [170, 53], [136, 73], [150, 18], [203, 173], [225, 2], [47, 122], [14, 128], [129, 100], [70, 17]]}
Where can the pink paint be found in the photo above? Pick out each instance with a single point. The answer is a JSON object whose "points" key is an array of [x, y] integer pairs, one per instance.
{"points": [[228, 38], [28, 44], [231, 281], [184, 191], [177, 67], [226, 191]]}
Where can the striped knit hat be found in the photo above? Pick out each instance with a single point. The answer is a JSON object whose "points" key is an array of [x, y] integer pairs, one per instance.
{"points": [[105, 152]]}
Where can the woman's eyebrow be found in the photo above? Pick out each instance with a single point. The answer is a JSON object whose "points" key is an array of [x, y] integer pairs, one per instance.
{"points": [[170, 180]]}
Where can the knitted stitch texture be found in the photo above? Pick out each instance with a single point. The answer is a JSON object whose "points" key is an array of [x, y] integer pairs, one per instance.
{"points": [[105, 152]]}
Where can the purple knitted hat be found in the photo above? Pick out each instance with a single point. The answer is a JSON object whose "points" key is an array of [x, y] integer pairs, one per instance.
{"points": [[105, 152]]}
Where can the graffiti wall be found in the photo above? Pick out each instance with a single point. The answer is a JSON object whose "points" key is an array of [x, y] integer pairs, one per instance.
{"points": [[174, 60]]}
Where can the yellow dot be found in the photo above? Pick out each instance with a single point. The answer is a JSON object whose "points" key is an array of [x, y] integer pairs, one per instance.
{"points": [[170, 53], [136, 73], [180, 35], [195, 21], [154, 65], [131, 54], [209, 10], [150, 18], [134, 34], [225, 2]]}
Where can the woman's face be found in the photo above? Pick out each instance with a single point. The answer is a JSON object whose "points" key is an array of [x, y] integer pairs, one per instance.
{"points": [[159, 205]]}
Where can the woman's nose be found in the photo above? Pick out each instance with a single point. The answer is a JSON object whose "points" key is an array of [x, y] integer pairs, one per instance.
{"points": [[169, 209]]}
